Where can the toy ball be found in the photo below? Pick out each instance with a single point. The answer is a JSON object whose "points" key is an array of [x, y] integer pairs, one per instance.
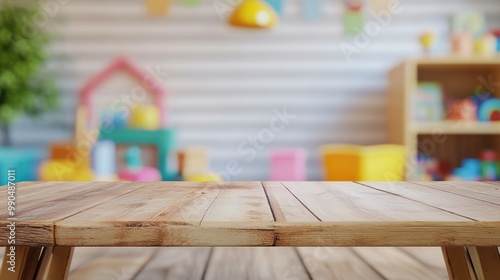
{"points": [[145, 117], [490, 110], [464, 109]]}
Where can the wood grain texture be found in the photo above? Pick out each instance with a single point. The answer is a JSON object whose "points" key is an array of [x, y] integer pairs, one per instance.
{"points": [[258, 263], [257, 214], [486, 262], [115, 263], [176, 263], [458, 263], [477, 190], [197, 215], [391, 263], [285, 206], [455, 203], [431, 257], [326, 263]]}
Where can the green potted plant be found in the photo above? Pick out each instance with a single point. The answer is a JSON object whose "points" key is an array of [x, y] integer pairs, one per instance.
{"points": [[25, 88]]}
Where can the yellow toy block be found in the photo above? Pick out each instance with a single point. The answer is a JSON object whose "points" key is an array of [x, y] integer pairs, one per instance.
{"points": [[145, 117], [64, 170], [205, 178], [193, 161], [363, 163]]}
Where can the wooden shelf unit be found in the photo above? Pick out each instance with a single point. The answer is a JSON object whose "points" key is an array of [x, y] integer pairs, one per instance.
{"points": [[446, 140]]}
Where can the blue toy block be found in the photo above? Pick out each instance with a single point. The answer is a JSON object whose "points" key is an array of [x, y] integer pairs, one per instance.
{"points": [[24, 162]]}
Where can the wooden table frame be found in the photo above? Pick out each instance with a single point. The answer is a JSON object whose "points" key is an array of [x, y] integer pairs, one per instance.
{"points": [[461, 218]]}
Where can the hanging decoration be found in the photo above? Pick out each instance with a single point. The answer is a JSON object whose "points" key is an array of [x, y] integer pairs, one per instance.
{"points": [[353, 17], [254, 14]]}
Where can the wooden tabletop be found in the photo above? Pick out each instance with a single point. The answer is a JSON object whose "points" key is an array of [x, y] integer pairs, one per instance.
{"points": [[254, 214]]}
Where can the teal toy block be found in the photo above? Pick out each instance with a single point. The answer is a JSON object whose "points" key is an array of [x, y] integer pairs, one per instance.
{"points": [[162, 139], [24, 162]]}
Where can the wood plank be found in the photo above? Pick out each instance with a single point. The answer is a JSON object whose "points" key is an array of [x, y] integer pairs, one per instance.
{"points": [[255, 263], [334, 263], [477, 190], [431, 257], [486, 262], [165, 215], [347, 201], [239, 201], [457, 263], [180, 263], [454, 203], [285, 207], [35, 219], [115, 263], [392, 263]]}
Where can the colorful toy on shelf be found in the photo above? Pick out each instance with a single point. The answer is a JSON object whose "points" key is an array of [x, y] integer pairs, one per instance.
{"points": [[429, 102], [486, 45], [104, 160], [254, 14], [365, 163], [110, 119], [145, 117], [496, 33], [162, 141], [490, 110], [490, 169], [288, 164], [194, 165], [24, 162], [469, 171], [147, 81], [463, 109], [427, 40], [134, 168], [462, 43], [471, 22], [71, 161]]}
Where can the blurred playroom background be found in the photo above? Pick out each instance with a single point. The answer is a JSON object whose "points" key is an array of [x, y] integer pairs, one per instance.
{"points": [[208, 90]]}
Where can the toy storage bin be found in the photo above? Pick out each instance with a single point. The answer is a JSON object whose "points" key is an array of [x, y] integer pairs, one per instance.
{"points": [[344, 162], [288, 164]]}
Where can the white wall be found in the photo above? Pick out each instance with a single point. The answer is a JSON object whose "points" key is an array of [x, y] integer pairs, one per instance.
{"points": [[224, 82]]}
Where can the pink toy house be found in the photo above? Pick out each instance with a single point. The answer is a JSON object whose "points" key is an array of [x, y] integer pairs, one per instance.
{"points": [[288, 164], [146, 80]]}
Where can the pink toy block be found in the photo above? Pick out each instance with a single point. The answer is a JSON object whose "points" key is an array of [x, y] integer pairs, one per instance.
{"points": [[147, 81], [288, 164], [147, 174]]}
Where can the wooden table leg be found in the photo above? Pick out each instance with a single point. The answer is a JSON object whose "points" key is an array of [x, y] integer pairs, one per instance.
{"points": [[26, 260], [486, 262], [458, 263], [43, 263], [59, 263]]}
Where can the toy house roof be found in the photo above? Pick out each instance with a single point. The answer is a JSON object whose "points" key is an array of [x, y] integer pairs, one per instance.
{"points": [[146, 80]]}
